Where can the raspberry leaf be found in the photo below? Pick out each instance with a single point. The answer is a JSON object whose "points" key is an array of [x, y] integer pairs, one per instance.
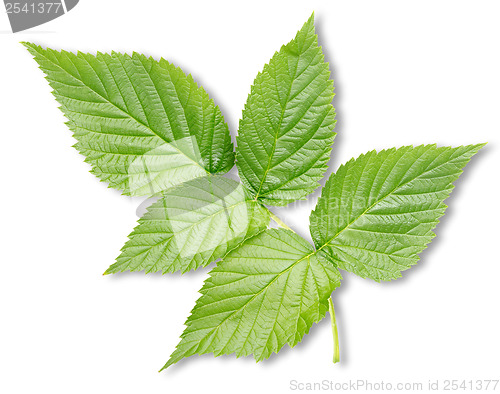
{"points": [[191, 226], [377, 212], [143, 125], [265, 294], [286, 130]]}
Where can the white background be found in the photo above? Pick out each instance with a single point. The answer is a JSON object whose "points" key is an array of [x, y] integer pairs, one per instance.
{"points": [[407, 72]]}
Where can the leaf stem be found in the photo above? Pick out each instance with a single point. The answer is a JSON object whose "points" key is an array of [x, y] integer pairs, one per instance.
{"points": [[279, 221], [336, 353]]}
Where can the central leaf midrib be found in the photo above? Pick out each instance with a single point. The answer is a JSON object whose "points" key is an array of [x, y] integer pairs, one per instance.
{"points": [[278, 128], [174, 233], [278, 275], [378, 201]]}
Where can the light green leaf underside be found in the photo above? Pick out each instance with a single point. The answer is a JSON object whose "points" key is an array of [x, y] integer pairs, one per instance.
{"points": [[191, 226], [377, 212], [265, 294], [143, 125], [286, 130]]}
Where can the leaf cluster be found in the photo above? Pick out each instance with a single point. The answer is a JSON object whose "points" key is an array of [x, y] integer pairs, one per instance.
{"points": [[147, 129]]}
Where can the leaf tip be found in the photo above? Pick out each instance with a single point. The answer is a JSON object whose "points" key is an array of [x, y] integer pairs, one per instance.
{"points": [[167, 364], [477, 147], [29, 46], [107, 272], [310, 21]]}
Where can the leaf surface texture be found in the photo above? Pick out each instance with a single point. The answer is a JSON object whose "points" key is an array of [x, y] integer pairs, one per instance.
{"points": [[286, 130], [191, 226], [377, 212], [142, 124], [265, 294]]}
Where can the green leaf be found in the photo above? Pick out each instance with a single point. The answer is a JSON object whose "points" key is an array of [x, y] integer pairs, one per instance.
{"points": [[192, 225], [143, 125], [286, 130], [377, 212], [265, 294]]}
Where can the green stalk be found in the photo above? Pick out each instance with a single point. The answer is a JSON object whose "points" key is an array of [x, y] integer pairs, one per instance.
{"points": [[279, 221], [336, 353]]}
